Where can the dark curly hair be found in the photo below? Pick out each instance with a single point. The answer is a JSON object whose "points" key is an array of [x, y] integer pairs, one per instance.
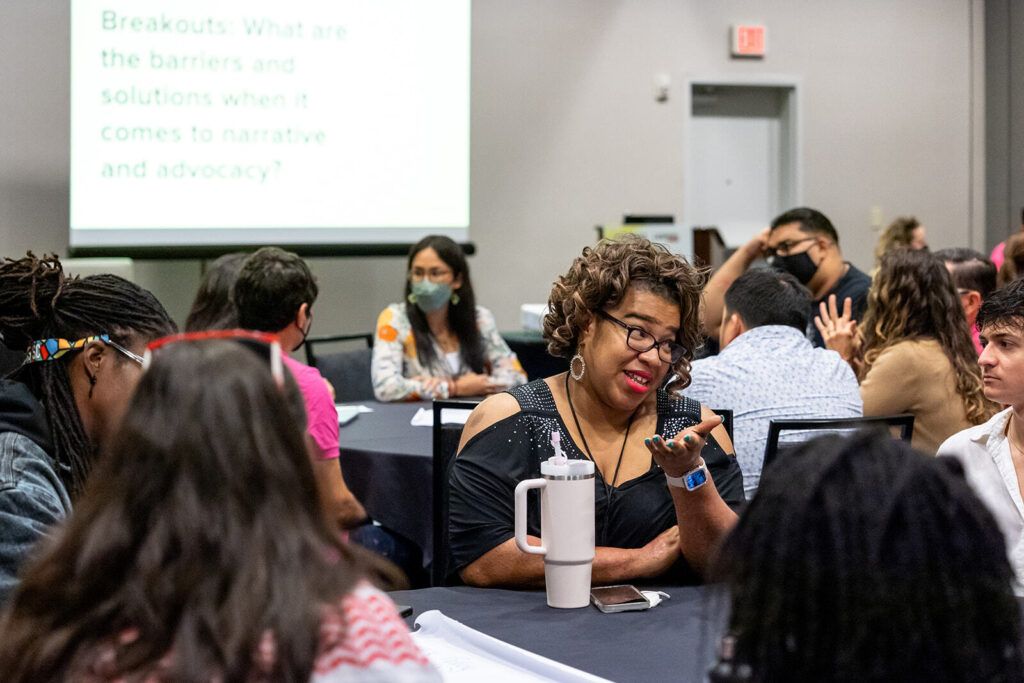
{"points": [[600, 277], [913, 297], [860, 559]]}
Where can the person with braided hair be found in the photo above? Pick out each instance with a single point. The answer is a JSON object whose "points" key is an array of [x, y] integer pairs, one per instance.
{"points": [[863, 560], [82, 339]]}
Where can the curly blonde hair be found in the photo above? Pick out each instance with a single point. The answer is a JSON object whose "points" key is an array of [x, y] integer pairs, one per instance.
{"points": [[913, 297], [600, 277]]}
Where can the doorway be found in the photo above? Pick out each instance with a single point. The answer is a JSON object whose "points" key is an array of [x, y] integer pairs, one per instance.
{"points": [[742, 149]]}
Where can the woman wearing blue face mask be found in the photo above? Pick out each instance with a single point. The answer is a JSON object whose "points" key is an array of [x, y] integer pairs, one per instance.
{"points": [[439, 343]]}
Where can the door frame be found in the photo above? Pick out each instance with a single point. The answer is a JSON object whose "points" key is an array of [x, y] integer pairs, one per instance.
{"points": [[795, 129]]}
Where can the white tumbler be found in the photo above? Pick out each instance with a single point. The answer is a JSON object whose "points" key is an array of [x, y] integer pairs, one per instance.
{"points": [[567, 528]]}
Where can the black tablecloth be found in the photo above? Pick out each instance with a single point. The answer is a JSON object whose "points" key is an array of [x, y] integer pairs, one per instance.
{"points": [[388, 465], [675, 641]]}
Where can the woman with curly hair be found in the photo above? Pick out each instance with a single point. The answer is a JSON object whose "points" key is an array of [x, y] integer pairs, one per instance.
{"points": [[628, 314], [912, 352]]}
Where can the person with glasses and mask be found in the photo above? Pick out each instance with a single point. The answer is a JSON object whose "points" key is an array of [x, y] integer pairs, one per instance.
{"points": [[81, 339], [627, 314], [804, 243], [439, 343]]}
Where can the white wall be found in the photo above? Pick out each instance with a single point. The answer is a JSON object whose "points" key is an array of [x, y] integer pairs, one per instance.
{"points": [[566, 133]]}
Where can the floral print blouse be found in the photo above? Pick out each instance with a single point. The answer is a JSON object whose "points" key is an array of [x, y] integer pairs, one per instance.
{"points": [[395, 359]]}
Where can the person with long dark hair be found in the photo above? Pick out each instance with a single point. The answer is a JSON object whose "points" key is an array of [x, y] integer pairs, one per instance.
{"points": [[863, 560], [199, 550], [81, 339], [912, 352], [439, 343], [214, 306]]}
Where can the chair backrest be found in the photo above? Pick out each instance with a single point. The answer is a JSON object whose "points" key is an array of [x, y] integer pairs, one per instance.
{"points": [[885, 423], [347, 371], [313, 342], [446, 444], [726, 415]]}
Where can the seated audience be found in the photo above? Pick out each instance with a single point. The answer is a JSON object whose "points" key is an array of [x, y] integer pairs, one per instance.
{"points": [[913, 353], [974, 277], [438, 343], [993, 453], [905, 231], [198, 551], [214, 305], [81, 340], [862, 560], [767, 369], [628, 314], [804, 243]]}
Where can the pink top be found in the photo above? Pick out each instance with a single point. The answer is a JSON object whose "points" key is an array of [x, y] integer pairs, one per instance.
{"points": [[321, 415], [997, 255], [976, 338]]}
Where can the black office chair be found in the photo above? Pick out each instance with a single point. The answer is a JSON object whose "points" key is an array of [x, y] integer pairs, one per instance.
{"points": [[347, 371], [883, 423], [446, 444], [726, 415]]}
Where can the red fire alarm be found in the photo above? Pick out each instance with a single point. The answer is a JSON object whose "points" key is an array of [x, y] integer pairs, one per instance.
{"points": [[748, 41]]}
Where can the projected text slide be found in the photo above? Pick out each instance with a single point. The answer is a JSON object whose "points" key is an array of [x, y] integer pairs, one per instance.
{"points": [[189, 116]]}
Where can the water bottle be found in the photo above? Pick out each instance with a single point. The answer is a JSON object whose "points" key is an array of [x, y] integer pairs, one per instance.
{"points": [[566, 523]]}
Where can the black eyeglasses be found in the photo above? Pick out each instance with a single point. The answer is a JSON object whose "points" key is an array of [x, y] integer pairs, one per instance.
{"points": [[785, 248], [641, 341]]}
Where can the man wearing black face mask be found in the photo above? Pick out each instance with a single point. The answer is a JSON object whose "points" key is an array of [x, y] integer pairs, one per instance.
{"points": [[804, 243]]}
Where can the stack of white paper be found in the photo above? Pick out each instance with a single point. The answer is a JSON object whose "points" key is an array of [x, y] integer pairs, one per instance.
{"points": [[463, 654]]}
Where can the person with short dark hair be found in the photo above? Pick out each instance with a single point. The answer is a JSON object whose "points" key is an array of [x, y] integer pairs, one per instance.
{"points": [[439, 343], [275, 292], [214, 305], [862, 560], [993, 453], [82, 341], [199, 552], [975, 278], [804, 243], [767, 369]]}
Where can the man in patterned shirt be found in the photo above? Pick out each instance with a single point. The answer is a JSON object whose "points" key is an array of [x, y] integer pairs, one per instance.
{"points": [[767, 369]]}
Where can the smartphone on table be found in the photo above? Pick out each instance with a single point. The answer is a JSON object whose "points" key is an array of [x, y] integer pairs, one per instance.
{"points": [[621, 598]]}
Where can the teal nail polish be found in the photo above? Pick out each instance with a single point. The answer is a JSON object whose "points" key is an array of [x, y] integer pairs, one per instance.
{"points": [[647, 441], [657, 438], [687, 438], [671, 444]]}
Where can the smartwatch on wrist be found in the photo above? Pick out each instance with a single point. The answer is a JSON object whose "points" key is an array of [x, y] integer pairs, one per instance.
{"points": [[693, 479]]}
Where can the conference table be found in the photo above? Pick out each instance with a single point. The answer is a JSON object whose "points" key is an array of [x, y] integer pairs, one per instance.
{"points": [[388, 465], [675, 641]]}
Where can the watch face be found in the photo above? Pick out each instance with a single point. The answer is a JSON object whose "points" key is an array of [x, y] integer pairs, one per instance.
{"points": [[696, 478]]}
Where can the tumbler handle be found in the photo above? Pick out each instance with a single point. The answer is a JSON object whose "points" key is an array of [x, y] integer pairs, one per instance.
{"points": [[521, 490]]}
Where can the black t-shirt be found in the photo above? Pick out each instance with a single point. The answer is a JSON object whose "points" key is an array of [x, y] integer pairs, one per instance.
{"points": [[854, 284], [492, 463]]}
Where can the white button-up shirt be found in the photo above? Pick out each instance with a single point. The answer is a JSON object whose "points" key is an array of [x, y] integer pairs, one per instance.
{"points": [[984, 452]]}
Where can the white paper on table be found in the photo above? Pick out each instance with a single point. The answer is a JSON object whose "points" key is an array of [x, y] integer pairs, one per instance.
{"points": [[464, 654], [347, 413], [424, 417]]}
